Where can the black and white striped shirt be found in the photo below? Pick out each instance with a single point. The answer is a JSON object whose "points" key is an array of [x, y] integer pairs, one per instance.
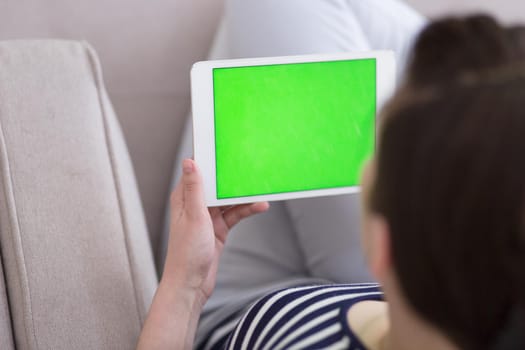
{"points": [[313, 317]]}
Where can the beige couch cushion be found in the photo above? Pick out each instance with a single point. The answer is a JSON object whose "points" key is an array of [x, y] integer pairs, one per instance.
{"points": [[146, 49], [75, 251]]}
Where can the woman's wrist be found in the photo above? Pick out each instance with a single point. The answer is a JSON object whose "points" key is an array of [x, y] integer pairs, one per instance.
{"points": [[175, 289], [173, 317], [179, 278]]}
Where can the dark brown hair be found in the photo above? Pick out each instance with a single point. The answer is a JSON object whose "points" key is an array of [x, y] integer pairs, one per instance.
{"points": [[451, 180], [452, 46]]}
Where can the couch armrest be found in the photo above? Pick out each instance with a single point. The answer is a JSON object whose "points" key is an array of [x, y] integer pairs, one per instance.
{"points": [[76, 255]]}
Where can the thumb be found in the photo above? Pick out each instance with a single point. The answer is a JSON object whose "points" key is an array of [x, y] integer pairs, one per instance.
{"points": [[193, 192]]}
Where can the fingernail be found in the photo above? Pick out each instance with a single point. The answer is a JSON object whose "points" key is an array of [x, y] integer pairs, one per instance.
{"points": [[187, 166]]}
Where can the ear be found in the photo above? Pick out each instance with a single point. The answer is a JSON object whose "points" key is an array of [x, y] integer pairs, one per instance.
{"points": [[379, 247]]}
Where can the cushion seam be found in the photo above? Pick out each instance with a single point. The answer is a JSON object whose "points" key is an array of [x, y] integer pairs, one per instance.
{"points": [[8, 306], [14, 227], [95, 71]]}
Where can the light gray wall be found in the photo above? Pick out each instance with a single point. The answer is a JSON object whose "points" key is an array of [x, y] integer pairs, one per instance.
{"points": [[509, 11]]}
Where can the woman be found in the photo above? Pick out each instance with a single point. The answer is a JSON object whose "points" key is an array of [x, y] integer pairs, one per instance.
{"points": [[444, 220]]}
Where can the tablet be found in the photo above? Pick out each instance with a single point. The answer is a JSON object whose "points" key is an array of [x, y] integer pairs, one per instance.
{"points": [[268, 129]]}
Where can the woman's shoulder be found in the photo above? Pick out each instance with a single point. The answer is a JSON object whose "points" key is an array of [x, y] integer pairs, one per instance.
{"points": [[304, 317]]}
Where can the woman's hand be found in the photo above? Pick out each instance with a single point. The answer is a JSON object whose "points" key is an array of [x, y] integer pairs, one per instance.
{"points": [[197, 237], [198, 234]]}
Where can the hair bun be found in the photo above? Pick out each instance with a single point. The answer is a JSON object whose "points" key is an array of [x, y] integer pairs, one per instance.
{"points": [[449, 47]]}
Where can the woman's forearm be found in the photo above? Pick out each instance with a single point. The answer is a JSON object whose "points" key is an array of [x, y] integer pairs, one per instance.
{"points": [[173, 318]]}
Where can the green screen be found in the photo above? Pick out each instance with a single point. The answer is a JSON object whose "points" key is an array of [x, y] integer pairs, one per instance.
{"points": [[293, 127]]}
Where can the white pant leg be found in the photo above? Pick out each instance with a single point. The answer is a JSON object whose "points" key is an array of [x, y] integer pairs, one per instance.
{"points": [[329, 232], [389, 25], [292, 27]]}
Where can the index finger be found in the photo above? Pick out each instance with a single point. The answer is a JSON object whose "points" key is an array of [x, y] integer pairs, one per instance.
{"points": [[193, 192]]}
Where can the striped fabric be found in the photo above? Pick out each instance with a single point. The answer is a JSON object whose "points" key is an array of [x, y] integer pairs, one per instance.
{"points": [[296, 318]]}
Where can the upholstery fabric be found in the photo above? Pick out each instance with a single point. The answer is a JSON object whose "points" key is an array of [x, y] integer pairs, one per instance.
{"points": [[77, 260]]}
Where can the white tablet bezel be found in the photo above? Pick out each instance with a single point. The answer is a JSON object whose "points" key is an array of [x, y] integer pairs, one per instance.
{"points": [[204, 120]]}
